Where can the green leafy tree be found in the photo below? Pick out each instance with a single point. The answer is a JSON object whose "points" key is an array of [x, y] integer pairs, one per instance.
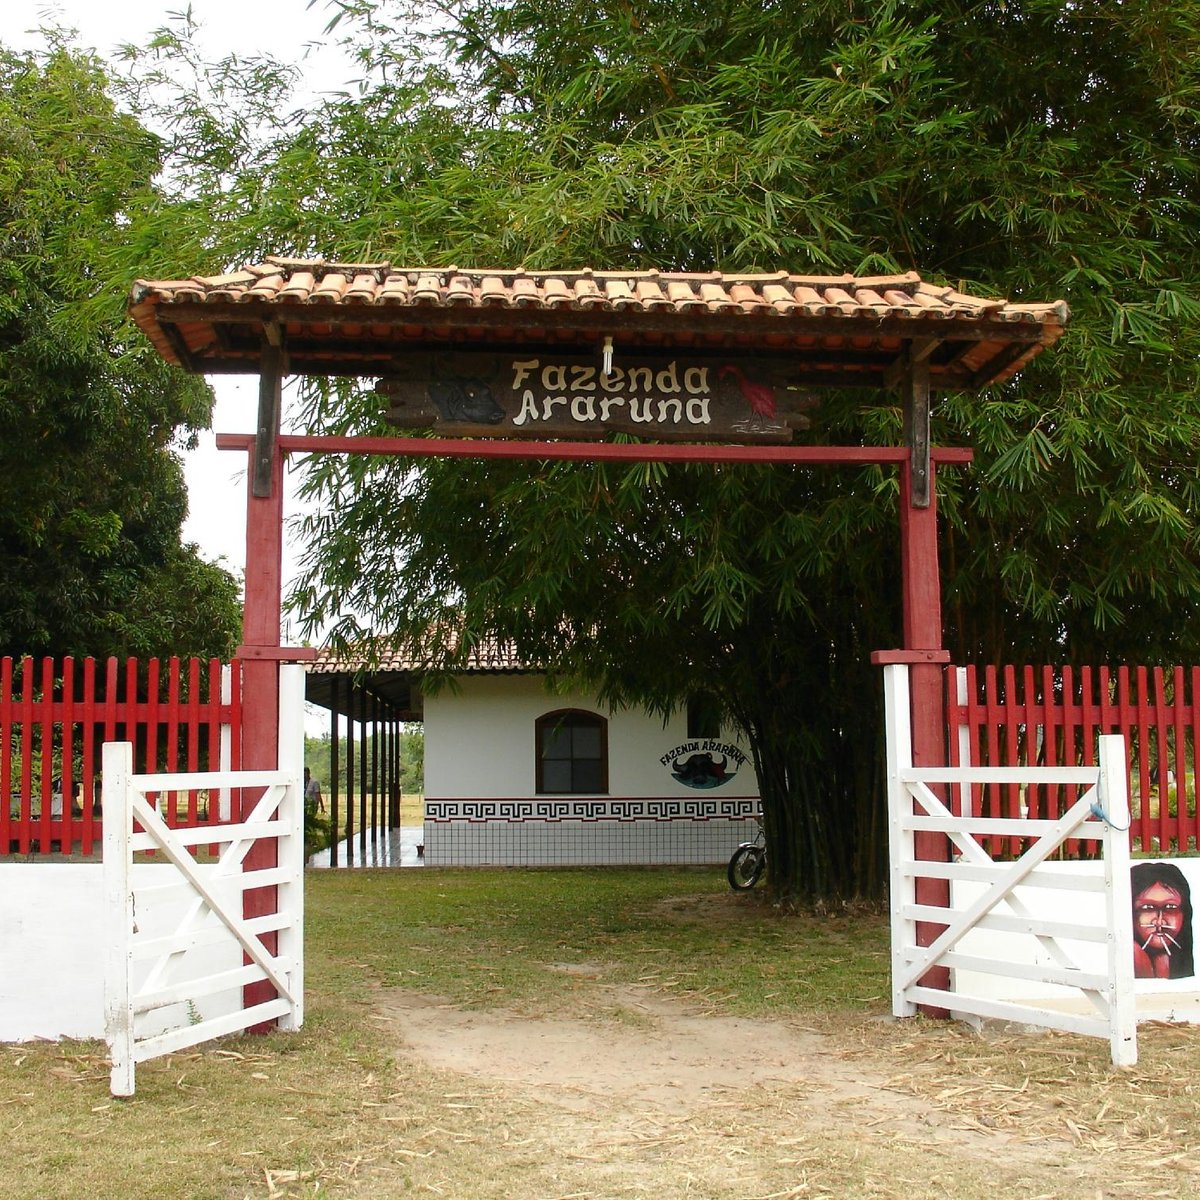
{"points": [[412, 759], [91, 421], [1031, 148], [318, 757]]}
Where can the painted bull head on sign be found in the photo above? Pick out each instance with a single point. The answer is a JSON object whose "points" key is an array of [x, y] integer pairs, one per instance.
{"points": [[465, 400], [700, 771]]}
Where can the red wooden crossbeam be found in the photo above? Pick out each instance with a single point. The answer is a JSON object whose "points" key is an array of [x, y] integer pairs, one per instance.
{"points": [[591, 451]]}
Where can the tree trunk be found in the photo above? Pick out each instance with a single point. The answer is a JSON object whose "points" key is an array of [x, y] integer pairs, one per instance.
{"points": [[821, 781]]}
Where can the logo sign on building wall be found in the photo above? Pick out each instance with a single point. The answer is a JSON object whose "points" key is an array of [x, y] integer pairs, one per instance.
{"points": [[703, 762], [551, 395]]}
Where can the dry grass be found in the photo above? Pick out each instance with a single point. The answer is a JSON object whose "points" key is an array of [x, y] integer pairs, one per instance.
{"points": [[412, 808], [342, 1109]]}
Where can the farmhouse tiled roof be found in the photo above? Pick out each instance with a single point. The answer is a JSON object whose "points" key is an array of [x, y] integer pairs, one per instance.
{"points": [[356, 318], [350, 683], [490, 656]]}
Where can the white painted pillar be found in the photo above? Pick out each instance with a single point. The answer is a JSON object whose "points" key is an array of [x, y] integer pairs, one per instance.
{"points": [[1114, 805], [225, 747], [117, 767], [901, 848], [291, 842], [965, 797]]}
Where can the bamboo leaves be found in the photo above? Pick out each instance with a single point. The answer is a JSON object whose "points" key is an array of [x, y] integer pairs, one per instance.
{"points": [[1025, 150]]}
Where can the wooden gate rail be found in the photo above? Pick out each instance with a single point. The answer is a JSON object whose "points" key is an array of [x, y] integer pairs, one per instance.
{"points": [[1100, 814], [133, 824]]}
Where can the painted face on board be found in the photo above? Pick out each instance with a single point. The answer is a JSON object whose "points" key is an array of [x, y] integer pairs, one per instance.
{"points": [[1158, 919]]}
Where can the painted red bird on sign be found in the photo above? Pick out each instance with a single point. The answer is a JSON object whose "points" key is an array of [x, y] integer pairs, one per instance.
{"points": [[759, 396]]}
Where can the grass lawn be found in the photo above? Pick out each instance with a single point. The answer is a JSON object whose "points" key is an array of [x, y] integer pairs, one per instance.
{"points": [[340, 1110]]}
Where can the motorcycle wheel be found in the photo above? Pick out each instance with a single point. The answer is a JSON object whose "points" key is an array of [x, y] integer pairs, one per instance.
{"points": [[745, 867]]}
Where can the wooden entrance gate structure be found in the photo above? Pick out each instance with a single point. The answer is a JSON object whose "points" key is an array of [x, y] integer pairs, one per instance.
{"points": [[680, 358], [1099, 815], [152, 976]]}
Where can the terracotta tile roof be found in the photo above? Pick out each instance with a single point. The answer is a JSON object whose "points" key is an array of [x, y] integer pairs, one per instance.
{"points": [[356, 318], [353, 684], [490, 656]]}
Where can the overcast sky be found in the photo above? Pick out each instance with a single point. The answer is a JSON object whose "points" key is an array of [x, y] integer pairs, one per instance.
{"points": [[288, 29]]}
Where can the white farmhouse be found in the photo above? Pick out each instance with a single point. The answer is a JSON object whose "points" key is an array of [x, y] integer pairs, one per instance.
{"points": [[518, 774]]}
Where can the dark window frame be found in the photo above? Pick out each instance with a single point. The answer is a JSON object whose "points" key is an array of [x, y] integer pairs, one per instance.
{"points": [[553, 722], [703, 718]]}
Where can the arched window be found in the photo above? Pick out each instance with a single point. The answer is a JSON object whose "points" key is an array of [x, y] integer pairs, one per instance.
{"points": [[572, 752]]}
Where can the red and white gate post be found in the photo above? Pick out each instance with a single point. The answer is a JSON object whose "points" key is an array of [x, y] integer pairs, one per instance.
{"points": [[261, 651], [926, 658]]}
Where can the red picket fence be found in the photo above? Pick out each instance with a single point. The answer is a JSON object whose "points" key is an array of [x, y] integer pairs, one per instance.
{"points": [[182, 715], [1051, 716]]}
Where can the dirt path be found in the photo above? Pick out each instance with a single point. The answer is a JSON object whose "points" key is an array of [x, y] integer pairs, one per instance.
{"points": [[640, 1093]]}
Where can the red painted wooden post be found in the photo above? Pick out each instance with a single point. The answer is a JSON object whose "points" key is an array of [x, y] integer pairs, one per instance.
{"points": [[260, 680], [6, 724], [67, 710], [212, 720], [1177, 762], [194, 713], [995, 696], [1162, 761], [173, 669], [26, 752], [1091, 683], [236, 713], [1050, 716], [1195, 760], [922, 612], [956, 717], [1012, 746], [153, 720], [1068, 721], [1181, 775], [110, 700], [90, 772], [1089, 716], [1140, 714], [46, 753]]}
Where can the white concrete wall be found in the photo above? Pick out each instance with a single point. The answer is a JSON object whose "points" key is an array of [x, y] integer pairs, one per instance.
{"points": [[52, 945], [1157, 999]]}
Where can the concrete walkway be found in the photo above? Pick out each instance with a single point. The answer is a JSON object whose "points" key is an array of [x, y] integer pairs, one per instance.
{"points": [[380, 848]]}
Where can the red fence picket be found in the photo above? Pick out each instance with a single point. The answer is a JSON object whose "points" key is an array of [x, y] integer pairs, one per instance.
{"points": [[54, 717], [1053, 716]]}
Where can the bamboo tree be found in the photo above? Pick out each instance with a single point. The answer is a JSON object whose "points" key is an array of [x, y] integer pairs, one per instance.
{"points": [[1032, 148]]}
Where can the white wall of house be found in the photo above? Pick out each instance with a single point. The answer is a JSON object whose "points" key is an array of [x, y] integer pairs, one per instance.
{"points": [[53, 942], [482, 805]]}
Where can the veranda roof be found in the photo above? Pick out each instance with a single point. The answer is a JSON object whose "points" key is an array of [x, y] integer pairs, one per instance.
{"points": [[360, 318], [394, 677]]}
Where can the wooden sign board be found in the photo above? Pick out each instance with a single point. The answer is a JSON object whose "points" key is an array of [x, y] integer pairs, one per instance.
{"points": [[545, 395]]}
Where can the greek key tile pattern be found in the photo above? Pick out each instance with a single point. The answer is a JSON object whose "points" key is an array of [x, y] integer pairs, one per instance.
{"points": [[564, 831], [568, 808]]}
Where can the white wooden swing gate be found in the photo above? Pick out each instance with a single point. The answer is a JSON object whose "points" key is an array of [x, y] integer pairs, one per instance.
{"points": [[137, 997], [1100, 814]]}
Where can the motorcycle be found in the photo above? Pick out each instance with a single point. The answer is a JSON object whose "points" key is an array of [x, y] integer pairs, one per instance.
{"points": [[748, 863]]}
